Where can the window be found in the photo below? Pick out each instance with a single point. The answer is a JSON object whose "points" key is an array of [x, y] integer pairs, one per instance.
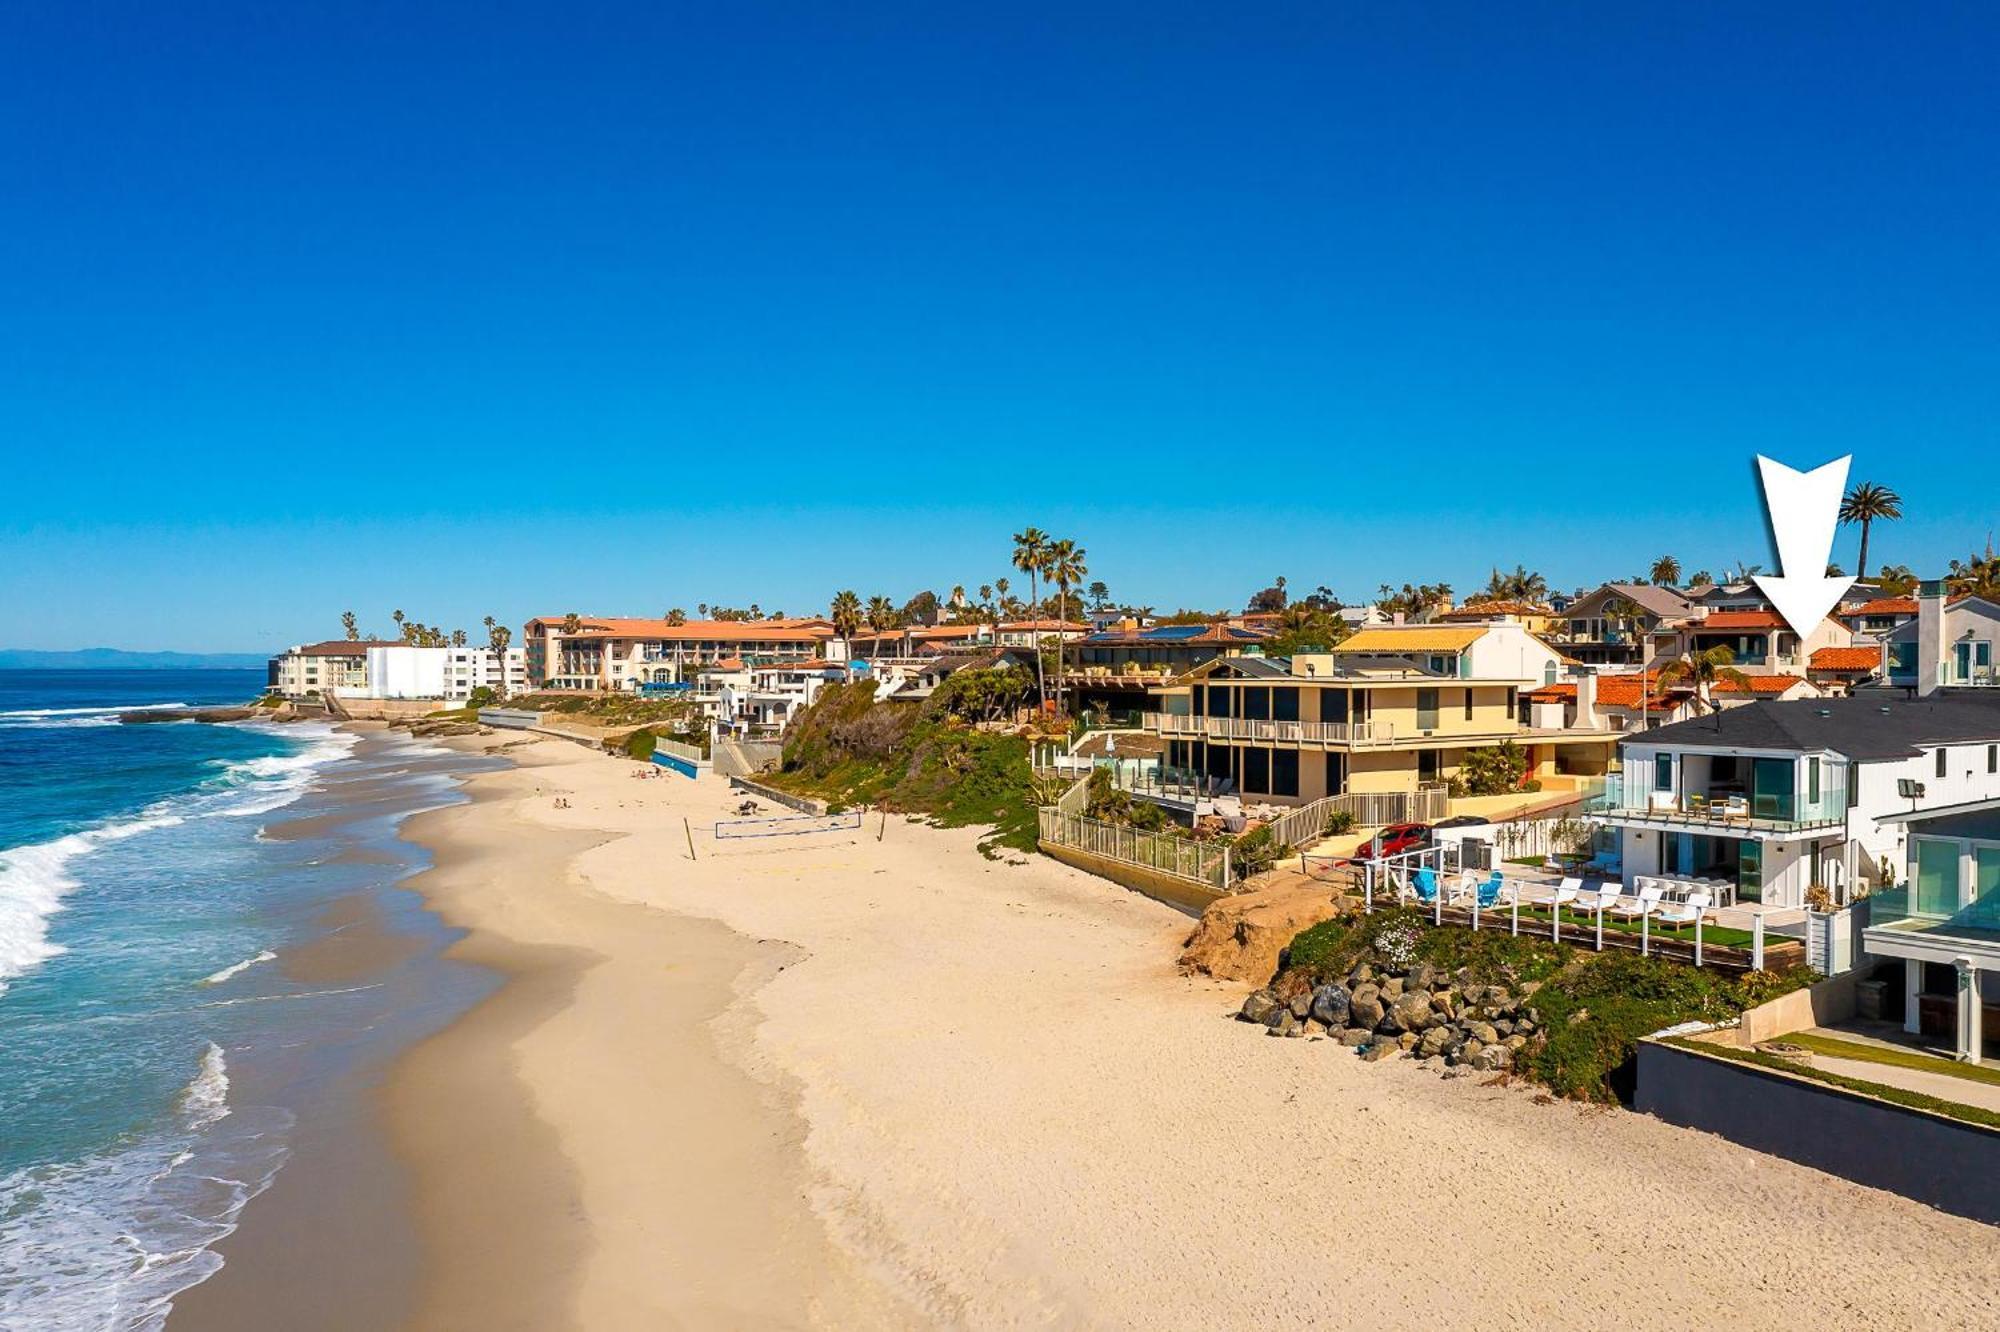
{"points": [[1427, 709], [1663, 772], [1257, 771], [1812, 780], [1941, 761], [1285, 704], [1993, 758], [1285, 772], [1468, 705]]}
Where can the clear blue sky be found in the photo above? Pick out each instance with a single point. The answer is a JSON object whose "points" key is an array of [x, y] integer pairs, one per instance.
{"points": [[515, 308]]}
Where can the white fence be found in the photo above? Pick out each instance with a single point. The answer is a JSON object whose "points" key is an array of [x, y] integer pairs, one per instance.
{"points": [[1203, 863]]}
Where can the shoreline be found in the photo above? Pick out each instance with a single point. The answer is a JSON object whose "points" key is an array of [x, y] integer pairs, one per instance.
{"points": [[846, 1082]]}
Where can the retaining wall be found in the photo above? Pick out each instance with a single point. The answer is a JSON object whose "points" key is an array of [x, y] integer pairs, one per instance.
{"points": [[1948, 1164]]}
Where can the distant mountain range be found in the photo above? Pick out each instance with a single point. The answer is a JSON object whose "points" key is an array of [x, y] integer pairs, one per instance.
{"points": [[117, 659]]}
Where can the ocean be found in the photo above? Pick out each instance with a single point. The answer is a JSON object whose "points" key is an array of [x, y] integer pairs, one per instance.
{"points": [[155, 881]]}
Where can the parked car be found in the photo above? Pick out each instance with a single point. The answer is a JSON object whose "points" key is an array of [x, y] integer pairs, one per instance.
{"points": [[1394, 840]]}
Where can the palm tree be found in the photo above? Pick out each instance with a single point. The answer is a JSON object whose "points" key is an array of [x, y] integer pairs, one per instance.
{"points": [[572, 623], [1666, 571], [1977, 576], [1702, 578], [351, 625], [1703, 671], [1031, 555], [677, 617], [1864, 504], [397, 616], [1100, 595], [1066, 568], [881, 617], [458, 638], [1896, 580], [846, 616]]}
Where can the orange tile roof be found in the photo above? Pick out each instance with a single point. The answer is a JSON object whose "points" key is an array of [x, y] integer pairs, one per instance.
{"points": [[1741, 619], [1884, 606], [1757, 684], [1053, 626], [1613, 691], [344, 647], [930, 631], [1847, 659]]}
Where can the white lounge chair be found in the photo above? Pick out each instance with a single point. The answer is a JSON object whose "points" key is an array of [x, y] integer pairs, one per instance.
{"points": [[1566, 891], [1644, 904], [1598, 897], [1684, 913]]}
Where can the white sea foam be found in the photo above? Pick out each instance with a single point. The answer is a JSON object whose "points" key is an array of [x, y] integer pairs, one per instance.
{"points": [[81, 712], [75, 1250], [206, 1100], [51, 718], [238, 968], [35, 878]]}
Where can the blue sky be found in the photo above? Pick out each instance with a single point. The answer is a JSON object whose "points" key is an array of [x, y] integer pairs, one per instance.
{"points": [[511, 309]]}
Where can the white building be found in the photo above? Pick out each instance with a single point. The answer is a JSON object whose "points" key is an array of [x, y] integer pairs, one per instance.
{"points": [[310, 670], [1775, 797], [1944, 924], [450, 674]]}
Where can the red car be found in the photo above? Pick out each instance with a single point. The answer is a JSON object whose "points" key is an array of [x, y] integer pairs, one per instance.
{"points": [[1394, 840]]}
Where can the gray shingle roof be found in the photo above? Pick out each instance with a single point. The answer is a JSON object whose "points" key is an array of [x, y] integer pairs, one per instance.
{"points": [[1876, 725]]}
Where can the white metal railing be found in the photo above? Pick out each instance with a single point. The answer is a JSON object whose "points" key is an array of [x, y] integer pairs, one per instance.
{"points": [[1201, 863], [1247, 728]]}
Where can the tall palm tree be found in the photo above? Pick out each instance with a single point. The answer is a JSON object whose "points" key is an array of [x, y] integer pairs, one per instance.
{"points": [[846, 616], [1864, 504], [1666, 571], [1031, 556], [881, 617], [1100, 594], [677, 617], [351, 625], [1066, 569], [1703, 671]]}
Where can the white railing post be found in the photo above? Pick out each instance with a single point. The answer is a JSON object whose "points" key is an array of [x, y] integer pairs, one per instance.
{"points": [[1601, 904], [1645, 934], [1697, 938], [1757, 941], [1517, 910]]}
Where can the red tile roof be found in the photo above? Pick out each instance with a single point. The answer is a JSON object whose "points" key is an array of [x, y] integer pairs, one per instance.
{"points": [[1884, 606], [1613, 691], [1847, 659], [1757, 684], [1741, 619]]}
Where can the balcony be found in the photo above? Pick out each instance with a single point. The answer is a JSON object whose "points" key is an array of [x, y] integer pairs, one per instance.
{"points": [[1723, 810], [1273, 732]]}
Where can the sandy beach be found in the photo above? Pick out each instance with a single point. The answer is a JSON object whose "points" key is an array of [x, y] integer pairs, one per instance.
{"points": [[848, 1082]]}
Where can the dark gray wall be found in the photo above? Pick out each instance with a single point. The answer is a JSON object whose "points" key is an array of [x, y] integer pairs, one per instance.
{"points": [[1950, 1165]]}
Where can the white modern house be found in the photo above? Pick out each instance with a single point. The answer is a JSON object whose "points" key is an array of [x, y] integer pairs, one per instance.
{"points": [[1773, 798], [1949, 644], [1944, 923], [403, 671]]}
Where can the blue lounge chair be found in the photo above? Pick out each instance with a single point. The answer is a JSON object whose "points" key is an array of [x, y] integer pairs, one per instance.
{"points": [[1488, 893], [1425, 884]]}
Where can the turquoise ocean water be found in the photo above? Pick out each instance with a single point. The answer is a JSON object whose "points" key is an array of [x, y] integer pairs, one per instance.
{"points": [[145, 915]]}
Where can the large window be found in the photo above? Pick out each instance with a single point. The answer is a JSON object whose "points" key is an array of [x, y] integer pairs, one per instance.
{"points": [[1427, 709], [1285, 703], [1257, 704], [1935, 891], [1285, 772], [1663, 772], [1257, 771]]}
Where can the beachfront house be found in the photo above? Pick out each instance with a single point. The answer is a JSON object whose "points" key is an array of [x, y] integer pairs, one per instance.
{"points": [[1110, 672], [1769, 800], [1394, 708], [1943, 922], [1759, 641]]}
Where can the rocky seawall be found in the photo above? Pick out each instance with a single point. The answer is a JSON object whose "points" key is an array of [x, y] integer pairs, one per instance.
{"points": [[1422, 1011]]}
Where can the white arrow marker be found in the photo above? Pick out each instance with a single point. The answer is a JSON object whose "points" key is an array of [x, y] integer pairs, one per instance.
{"points": [[1804, 508]]}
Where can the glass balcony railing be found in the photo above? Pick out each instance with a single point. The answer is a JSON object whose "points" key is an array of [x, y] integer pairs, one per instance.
{"points": [[1722, 805], [1920, 908]]}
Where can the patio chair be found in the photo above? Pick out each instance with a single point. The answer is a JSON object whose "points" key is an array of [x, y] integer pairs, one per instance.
{"points": [[1487, 894], [1677, 914], [1566, 891], [1644, 904], [1598, 897], [1424, 883]]}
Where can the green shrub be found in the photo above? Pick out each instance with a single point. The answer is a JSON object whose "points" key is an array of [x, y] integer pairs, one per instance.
{"points": [[640, 744], [1256, 851], [1339, 823]]}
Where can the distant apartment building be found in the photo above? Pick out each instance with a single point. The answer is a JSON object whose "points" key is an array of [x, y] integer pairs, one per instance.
{"points": [[1393, 708], [309, 670], [1026, 633], [617, 654]]}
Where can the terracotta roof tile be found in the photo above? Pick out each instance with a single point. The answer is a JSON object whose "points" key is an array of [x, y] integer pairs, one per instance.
{"points": [[1741, 619], [1758, 684], [1847, 659], [1883, 606]]}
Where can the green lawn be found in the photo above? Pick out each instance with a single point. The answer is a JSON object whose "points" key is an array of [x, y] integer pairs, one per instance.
{"points": [[1895, 1058]]}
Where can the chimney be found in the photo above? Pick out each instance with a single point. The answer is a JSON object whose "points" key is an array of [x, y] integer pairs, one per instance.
{"points": [[1586, 698], [1930, 635]]}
